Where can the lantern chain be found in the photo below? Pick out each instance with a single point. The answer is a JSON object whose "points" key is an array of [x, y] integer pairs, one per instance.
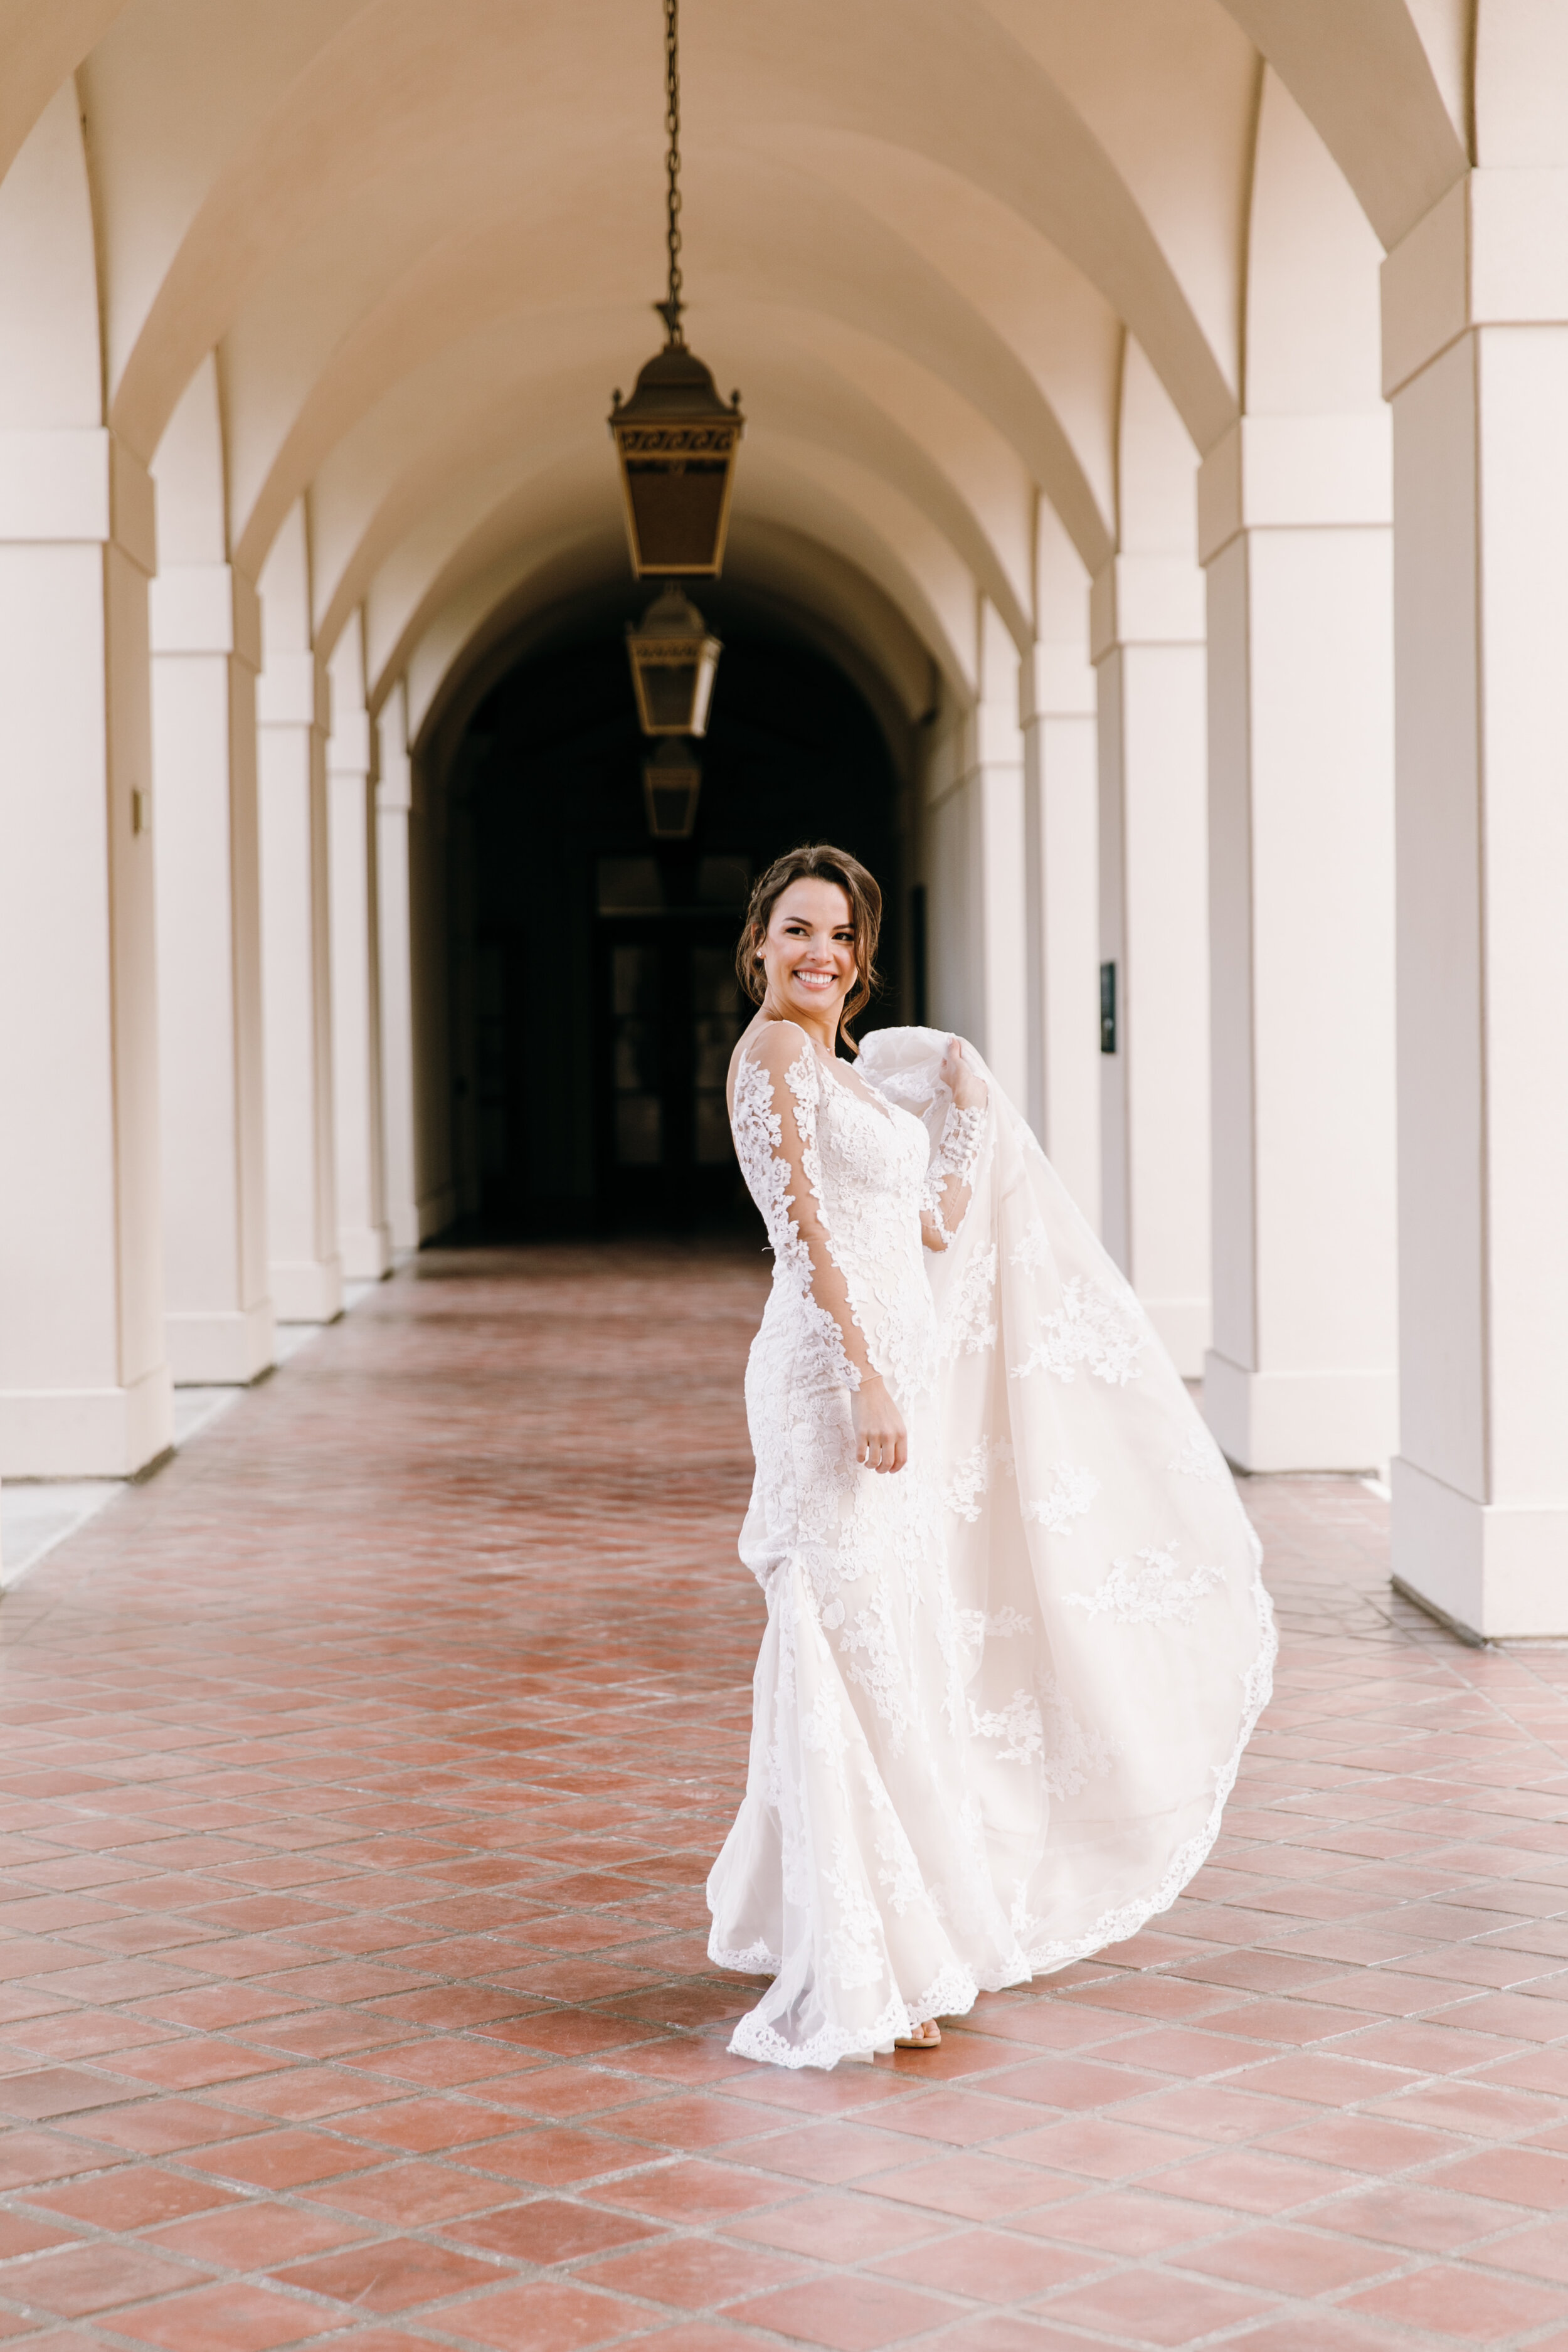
{"points": [[672, 306]]}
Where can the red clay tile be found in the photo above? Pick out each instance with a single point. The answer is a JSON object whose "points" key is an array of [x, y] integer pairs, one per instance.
{"points": [[239, 2317], [1481, 2309], [690, 2193], [135, 2199], [693, 2274], [843, 2315], [1296, 2262], [258, 2236], [972, 2186], [339, 1864], [1151, 2309], [413, 2195], [550, 2230], [75, 2280], [393, 2274], [543, 2316], [988, 2266]]}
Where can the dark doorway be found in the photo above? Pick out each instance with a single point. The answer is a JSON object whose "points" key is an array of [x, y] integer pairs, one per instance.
{"points": [[596, 987]]}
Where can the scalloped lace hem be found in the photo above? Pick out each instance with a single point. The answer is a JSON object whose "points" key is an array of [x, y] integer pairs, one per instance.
{"points": [[953, 1993], [756, 1960]]}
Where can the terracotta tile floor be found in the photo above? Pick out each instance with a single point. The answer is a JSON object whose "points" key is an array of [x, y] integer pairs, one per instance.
{"points": [[360, 1776]]}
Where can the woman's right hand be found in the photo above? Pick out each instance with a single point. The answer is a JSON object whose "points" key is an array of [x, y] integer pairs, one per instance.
{"points": [[881, 1441]]}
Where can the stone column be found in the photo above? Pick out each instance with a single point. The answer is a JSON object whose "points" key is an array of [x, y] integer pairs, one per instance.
{"points": [[364, 1239], [1476, 362], [394, 811], [1057, 708], [207, 649], [292, 713], [974, 859], [84, 1377], [1295, 514]]}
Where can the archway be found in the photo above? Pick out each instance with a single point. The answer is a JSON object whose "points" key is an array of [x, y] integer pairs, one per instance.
{"points": [[591, 960]]}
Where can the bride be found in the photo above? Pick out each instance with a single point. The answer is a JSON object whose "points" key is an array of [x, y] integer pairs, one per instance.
{"points": [[1016, 1636]]}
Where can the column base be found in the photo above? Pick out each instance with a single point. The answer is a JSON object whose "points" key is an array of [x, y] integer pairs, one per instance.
{"points": [[365, 1252], [1184, 1325], [87, 1432], [437, 1210], [307, 1292], [223, 1351], [1301, 1420], [1495, 1572]]}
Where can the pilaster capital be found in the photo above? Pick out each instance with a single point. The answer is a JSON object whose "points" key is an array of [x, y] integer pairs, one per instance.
{"points": [[1296, 473], [1056, 681], [348, 746], [75, 485], [1492, 252], [1146, 600], [294, 690], [205, 608]]}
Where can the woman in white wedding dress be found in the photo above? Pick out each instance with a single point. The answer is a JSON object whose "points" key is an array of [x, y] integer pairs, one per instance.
{"points": [[1016, 1636]]}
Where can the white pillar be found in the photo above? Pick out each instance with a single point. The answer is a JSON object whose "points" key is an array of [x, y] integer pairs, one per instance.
{"points": [[1295, 514], [363, 1240], [393, 811], [207, 649], [84, 1382], [1302, 1373], [1475, 360], [291, 713], [1057, 706], [1146, 622]]}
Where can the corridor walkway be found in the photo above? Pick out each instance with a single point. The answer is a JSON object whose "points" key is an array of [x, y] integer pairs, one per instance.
{"points": [[361, 1772]]}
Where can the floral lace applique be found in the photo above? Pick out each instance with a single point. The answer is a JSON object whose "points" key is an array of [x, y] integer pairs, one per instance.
{"points": [[1018, 1723], [969, 1482], [759, 1137], [1033, 1251], [972, 1327], [1074, 1755], [853, 1945], [952, 1163], [1090, 1327], [978, 1625], [1147, 1589], [1073, 1492], [1200, 1457]]}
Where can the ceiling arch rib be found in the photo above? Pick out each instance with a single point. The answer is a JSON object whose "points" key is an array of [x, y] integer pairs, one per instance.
{"points": [[477, 634], [831, 259], [424, 438], [851, 517], [364, 112]]}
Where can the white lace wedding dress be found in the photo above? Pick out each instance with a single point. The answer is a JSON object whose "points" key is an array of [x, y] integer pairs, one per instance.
{"points": [[1002, 1692]]}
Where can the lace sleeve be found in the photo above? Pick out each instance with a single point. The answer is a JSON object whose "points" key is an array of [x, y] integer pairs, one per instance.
{"points": [[775, 1122], [944, 1202]]}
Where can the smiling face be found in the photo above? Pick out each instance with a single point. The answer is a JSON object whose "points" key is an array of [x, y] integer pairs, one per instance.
{"points": [[809, 954]]}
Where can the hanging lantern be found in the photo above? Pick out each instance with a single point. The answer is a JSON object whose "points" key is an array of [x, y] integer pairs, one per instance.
{"points": [[671, 782], [673, 663], [675, 438]]}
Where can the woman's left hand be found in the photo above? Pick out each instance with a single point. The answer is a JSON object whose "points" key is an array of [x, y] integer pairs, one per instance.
{"points": [[960, 1078]]}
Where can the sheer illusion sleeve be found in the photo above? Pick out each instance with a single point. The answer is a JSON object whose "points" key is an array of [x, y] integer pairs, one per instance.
{"points": [[775, 1122], [944, 1202]]}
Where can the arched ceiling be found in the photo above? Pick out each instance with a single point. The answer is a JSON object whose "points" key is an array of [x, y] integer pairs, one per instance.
{"points": [[422, 238]]}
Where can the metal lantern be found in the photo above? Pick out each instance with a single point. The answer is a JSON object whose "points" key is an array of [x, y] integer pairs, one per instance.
{"points": [[671, 782], [673, 661], [675, 438]]}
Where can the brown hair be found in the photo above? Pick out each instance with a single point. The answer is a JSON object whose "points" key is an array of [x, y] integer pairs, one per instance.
{"points": [[816, 861]]}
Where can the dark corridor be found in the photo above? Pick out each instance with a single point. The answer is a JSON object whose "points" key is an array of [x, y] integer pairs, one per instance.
{"points": [[594, 964]]}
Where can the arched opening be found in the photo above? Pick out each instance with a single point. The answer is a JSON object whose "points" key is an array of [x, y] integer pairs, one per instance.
{"points": [[590, 952]]}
